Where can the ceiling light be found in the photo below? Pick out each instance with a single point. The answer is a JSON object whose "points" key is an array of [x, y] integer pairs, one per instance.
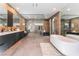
{"points": [[68, 9], [54, 9], [35, 5], [17, 8]]}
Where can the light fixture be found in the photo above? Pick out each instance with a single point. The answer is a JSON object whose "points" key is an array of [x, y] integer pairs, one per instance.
{"points": [[35, 5], [68, 9], [53, 19], [17, 8], [54, 9]]}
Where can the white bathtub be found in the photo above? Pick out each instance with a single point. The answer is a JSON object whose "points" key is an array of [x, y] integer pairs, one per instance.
{"points": [[76, 37], [65, 45]]}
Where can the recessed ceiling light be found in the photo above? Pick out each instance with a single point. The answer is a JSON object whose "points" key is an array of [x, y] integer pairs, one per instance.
{"points": [[54, 9], [68, 9], [17, 8]]}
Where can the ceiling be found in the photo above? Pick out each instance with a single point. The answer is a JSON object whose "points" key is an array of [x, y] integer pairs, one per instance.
{"points": [[37, 10], [71, 10], [44, 10]]}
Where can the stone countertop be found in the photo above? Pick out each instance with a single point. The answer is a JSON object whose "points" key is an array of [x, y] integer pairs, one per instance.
{"points": [[5, 33]]}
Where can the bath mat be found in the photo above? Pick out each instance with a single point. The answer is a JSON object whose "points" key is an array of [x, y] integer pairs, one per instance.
{"points": [[48, 50]]}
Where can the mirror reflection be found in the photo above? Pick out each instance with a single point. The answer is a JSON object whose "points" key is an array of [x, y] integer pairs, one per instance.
{"points": [[3, 19], [10, 21]]}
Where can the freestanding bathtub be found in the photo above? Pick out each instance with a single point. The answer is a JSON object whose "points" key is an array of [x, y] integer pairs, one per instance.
{"points": [[76, 37], [65, 45]]}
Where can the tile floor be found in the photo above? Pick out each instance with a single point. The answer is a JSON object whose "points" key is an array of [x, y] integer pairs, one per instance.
{"points": [[28, 46]]}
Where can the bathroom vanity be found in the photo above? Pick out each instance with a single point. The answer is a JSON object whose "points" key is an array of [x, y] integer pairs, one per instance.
{"points": [[7, 39]]}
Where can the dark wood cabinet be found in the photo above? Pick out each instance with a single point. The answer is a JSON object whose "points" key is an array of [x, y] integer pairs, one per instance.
{"points": [[8, 40]]}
